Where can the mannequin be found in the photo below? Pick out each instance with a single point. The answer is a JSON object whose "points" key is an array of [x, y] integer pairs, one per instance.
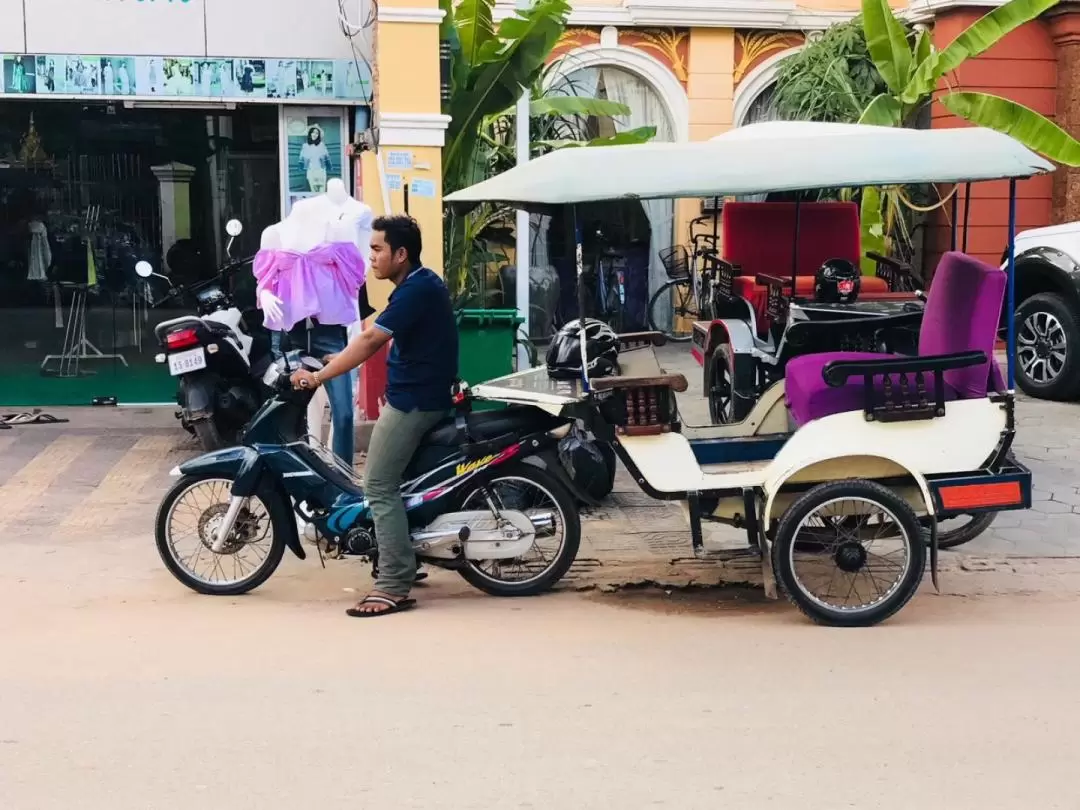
{"points": [[310, 273]]}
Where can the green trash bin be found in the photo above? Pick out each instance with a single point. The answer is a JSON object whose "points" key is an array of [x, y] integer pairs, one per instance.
{"points": [[486, 346]]}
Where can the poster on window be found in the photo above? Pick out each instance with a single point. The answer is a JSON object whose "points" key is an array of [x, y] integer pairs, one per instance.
{"points": [[313, 142]]}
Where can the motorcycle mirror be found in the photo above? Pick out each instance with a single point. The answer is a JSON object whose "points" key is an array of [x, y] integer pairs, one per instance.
{"points": [[234, 227], [143, 269]]}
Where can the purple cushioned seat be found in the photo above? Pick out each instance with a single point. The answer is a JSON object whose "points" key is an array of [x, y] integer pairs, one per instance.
{"points": [[963, 308]]}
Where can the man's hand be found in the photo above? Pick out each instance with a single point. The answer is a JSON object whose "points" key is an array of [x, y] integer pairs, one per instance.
{"points": [[303, 379]]}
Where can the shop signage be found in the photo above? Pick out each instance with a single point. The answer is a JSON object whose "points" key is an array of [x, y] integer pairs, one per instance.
{"points": [[186, 78]]}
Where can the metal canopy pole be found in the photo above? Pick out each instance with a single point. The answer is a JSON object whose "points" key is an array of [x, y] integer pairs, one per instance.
{"points": [[955, 217], [1011, 298], [967, 213], [579, 267], [795, 248], [521, 230]]}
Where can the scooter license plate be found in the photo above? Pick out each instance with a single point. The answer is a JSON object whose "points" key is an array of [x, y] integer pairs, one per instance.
{"points": [[183, 362]]}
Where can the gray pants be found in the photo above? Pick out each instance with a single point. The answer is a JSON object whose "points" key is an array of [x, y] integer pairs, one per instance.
{"points": [[394, 439]]}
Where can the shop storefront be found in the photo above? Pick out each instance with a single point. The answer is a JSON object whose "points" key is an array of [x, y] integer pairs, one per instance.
{"points": [[184, 115]]}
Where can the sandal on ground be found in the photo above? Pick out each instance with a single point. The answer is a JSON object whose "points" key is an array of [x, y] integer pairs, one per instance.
{"points": [[392, 606], [35, 418]]}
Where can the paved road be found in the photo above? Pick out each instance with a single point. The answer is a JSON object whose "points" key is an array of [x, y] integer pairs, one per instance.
{"points": [[119, 690]]}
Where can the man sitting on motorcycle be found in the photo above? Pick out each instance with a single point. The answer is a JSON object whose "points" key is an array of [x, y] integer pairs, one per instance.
{"points": [[421, 367]]}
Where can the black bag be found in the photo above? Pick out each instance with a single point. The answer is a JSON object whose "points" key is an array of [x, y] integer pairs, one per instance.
{"points": [[589, 463]]}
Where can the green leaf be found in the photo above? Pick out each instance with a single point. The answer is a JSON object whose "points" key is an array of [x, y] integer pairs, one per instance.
{"points": [[883, 111], [1037, 132], [631, 136], [569, 105], [923, 46], [873, 228], [887, 43], [510, 62], [576, 105], [475, 27], [978, 37]]}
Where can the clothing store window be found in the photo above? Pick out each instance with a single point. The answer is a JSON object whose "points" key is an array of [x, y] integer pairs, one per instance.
{"points": [[637, 231], [86, 191]]}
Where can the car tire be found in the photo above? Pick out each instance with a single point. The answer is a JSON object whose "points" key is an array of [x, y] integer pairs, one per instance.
{"points": [[1041, 319]]}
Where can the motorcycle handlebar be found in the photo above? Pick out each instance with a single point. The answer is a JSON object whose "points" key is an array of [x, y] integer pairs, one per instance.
{"points": [[223, 271]]}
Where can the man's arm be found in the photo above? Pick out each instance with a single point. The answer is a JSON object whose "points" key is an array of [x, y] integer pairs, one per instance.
{"points": [[355, 353]]}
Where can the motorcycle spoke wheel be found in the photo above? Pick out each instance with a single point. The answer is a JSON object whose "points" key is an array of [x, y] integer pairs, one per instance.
{"points": [[534, 493], [188, 524]]}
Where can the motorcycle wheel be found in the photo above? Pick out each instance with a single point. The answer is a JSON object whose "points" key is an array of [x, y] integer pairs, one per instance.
{"points": [[509, 490], [264, 512]]}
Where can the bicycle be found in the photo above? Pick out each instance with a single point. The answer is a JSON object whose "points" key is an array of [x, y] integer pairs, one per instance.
{"points": [[603, 286], [692, 284]]}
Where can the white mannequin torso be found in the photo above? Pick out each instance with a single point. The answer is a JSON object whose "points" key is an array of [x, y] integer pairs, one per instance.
{"points": [[331, 217]]}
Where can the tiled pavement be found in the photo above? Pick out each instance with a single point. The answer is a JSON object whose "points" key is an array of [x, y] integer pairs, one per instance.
{"points": [[104, 472]]}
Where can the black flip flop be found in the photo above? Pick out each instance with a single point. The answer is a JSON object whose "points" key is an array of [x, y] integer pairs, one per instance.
{"points": [[393, 606]]}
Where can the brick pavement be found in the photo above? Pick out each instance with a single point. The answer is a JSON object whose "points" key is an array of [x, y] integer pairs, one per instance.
{"points": [[1047, 441], [106, 470]]}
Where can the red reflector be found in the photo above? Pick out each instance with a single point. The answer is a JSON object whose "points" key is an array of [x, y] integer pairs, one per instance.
{"points": [[181, 338], [846, 286], [1005, 493]]}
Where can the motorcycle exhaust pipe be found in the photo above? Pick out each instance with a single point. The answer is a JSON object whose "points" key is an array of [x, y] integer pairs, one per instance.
{"points": [[426, 539], [543, 523]]}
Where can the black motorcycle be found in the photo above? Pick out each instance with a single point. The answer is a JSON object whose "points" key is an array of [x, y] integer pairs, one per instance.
{"points": [[485, 495], [218, 358]]}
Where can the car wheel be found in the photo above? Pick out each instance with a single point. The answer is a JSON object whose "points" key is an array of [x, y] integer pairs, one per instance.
{"points": [[1047, 348]]}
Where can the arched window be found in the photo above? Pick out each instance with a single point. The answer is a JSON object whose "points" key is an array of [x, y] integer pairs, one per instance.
{"points": [[638, 230]]}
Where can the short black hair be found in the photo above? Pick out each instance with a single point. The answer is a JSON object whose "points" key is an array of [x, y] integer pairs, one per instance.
{"points": [[401, 231]]}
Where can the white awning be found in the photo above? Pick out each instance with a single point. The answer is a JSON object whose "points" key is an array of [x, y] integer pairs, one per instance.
{"points": [[759, 158]]}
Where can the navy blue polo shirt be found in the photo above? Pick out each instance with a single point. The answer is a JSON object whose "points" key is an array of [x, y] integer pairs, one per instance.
{"points": [[423, 360]]}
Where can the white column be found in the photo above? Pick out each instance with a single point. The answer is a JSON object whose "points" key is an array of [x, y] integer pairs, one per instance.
{"points": [[522, 228], [174, 181]]}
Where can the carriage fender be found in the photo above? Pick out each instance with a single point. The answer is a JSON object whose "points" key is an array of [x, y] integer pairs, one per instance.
{"points": [[852, 464], [731, 332]]}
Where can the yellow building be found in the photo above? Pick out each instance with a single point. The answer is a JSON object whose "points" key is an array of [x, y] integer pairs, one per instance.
{"points": [[695, 68]]}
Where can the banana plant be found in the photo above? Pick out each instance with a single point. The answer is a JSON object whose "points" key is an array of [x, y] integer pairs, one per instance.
{"points": [[490, 67], [912, 73]]}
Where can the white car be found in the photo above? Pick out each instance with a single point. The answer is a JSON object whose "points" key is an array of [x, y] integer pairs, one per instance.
{"points": [[1048, 314]]}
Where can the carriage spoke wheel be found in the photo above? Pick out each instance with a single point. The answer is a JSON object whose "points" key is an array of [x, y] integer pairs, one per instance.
{"points": [[721, 400], [849, 553]]}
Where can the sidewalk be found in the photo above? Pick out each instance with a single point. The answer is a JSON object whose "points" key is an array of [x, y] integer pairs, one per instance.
{"points": [[104, 472]]}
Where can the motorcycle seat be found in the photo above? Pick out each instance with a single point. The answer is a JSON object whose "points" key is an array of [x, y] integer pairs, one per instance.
{"points": [[486, 425]]}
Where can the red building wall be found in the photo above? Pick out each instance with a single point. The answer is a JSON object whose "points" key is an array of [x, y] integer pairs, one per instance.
{"points": [[1023, 68]]}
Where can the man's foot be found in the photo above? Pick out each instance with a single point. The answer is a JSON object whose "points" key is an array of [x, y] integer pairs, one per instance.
{"points": [[377, 603]]}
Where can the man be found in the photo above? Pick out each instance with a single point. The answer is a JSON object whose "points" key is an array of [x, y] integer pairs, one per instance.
{"points": [[421, 368]]}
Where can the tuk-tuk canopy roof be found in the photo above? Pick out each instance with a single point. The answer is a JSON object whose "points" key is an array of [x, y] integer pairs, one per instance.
{"points": [[759, 158]]}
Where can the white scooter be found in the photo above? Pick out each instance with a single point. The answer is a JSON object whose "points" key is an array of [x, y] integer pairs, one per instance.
{"points": [[217, 358]]}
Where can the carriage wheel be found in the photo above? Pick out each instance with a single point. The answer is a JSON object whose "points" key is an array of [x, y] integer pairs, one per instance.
{"points": [[849, 553]]}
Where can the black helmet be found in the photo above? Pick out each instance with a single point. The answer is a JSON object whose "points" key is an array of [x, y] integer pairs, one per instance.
{"points": [[601, 350], [837, 281]]}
